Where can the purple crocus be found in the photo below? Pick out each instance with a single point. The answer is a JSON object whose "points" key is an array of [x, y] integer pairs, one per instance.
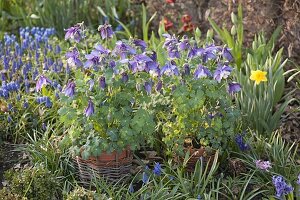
{"points": [[170, 69], [281, 187], [73, 58], [89, 110], [42, 81], [140, 43], [222, 72], [157, 169], [263, 165], [70, 89], [234, 87], [201, 72], [74, 33], [106, 31]]}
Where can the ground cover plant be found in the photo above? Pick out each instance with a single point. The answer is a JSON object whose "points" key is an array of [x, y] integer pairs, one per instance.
{"points": [[200, 118]]}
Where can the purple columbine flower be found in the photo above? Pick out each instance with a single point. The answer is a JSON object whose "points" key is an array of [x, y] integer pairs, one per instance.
{"points": [[139, 63], [102, 82], [125, 77], [101, 50], [170, 69], [184, 43], [73, 58], [234, 87], [91, 83], [148, 87], [42, 81], [186, 70], [222, 72], [227, 55], [70, 89], [159, 86], [74, 33], [263, 165], [240, 142], [106, 31], [209, 52], [157, 169], [140, 43], [281, 187], [201, 72], [122, 49], [89, 109], [171, 44], [93, 59]]}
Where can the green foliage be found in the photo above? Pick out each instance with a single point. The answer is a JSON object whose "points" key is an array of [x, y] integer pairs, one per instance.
{"points": [[282, 156], [80, 193], [61, 14], [31, 182], [258, 102], [243, 187]]}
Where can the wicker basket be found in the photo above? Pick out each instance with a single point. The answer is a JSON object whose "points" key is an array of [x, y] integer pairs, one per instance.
{"points": [[113, 167]]}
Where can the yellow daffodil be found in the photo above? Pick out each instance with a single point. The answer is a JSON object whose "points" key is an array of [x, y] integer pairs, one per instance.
{"points": [[258, 76]]}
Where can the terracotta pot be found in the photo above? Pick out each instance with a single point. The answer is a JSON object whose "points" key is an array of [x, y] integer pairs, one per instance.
{"points": [[111, 166]]}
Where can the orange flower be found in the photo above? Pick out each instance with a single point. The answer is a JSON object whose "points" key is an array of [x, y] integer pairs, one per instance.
{"points": [[186, 19], [167, 23], [188, 27]]}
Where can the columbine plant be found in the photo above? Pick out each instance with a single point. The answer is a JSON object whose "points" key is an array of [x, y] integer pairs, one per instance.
{"points": [[192, 95], [106, 105]]}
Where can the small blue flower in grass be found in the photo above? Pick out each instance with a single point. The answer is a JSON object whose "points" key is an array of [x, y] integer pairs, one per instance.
{"points": [[240, 142], [145, 178], [157, 169], [89, 109], [131, 189], [125, 77], [25, 105], [298, 181], [281, 187], [199, 197], [106, 31], [9, 119]]}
